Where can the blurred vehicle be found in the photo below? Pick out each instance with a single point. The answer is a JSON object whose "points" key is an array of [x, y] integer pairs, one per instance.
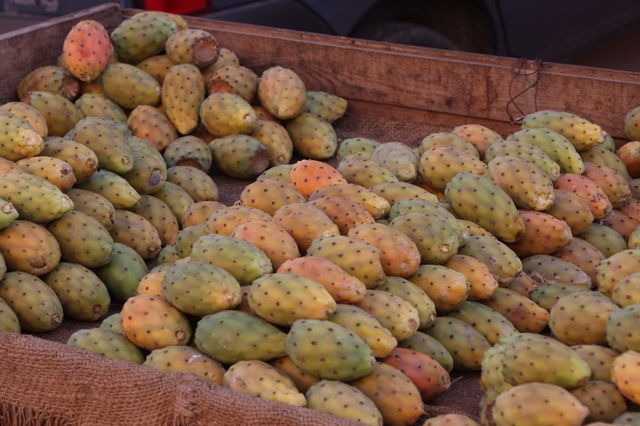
{"points": [[546, 29]]}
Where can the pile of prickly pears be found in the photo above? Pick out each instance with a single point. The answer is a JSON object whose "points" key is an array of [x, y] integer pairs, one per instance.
{"points": [[356, 289]]}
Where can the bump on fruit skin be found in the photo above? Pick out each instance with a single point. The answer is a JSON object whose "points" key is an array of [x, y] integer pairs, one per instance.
{"points": [[328, 350], [526, 183], [232, 336], [345, 401], [259, 379], [35, 304], [184, 359], [107, 343], [490, 207], [436, 240]]}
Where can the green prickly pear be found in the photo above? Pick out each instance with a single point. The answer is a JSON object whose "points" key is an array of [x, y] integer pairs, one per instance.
{"points": [[18, 139], [282, 92], [123, 272], [579, 131], [112, 187], [106, 343], [461, 340], [82, 159], [184, 359], [556, 146], [142, 36], [151, 124], [240, 156], [107, 141], [183, 90], [129, 86], [60, 114]]}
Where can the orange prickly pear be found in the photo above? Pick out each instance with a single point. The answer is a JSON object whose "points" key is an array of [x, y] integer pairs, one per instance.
{"points": [[87, 50]]}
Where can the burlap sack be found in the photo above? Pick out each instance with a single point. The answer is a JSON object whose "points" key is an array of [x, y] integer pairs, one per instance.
{"points": [[43, 382]]}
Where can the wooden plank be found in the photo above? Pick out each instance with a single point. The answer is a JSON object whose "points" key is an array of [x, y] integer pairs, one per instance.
{"points": [[25, 49], [459, 83]]}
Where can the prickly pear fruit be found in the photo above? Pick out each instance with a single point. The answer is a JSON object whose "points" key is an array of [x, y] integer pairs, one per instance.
{"points": [[480, 136], [536, 358], [60, 114], [226, 57], [612, 183], [225, 114], [142, 36], [94, 105], [123, 272], [625, 291], [423, 343], [356, 145], [149, 171], [523, 313], [445, 287], [197, 183], [282, 92], [151, 283], [308, 176], [234, 79], [608, 158], [376, 205], [243, 260], [50, 78], [187, 237], [581, 318], [399, 158], [197, 288], [188, 151], [225, 220], [149, 123], [632, 209], [312, 137], [8, 214], [524, 151], [82, 295], [182, 93], [413, 294], [107, 343], [283, 298], [620, 222], [621, 329], [240, 156], [589, 191], [461, 340], [436, 240], [112, 187], [579, 131], [109, 144], [552, 270], [571, 209], [184, 359], [345, 401], [232, 336], [35, 304], [344, 213], [393, 312], [537, 404], [328, 350], [366, 173], [82, 239], [482, 208], [547, 295], [8, 318], [488, 322], [87, 50], [630, 418], [366, 266], [19, 140], [481, 281], [524, 182], [430, 378], [523, 284], [604, 401], [440, 165], [257, 378], [152, 323], [616, 267], [191, 46], [367, 327], [629, 155], [279, 173], [605, 239], [325, 105], [156, 66], [28, 114], [269, 195], [447, 140], [501, 260], [176, 198], [624, 374], [29, 247], [302, 380], [168, 255], [129, 86], [556, 146], [274, 241], [599, 358], [156, 212], [82, 159], [94, 205], [544, 234], [305, 224], [276, 139], [450, 419], [398, 191]]}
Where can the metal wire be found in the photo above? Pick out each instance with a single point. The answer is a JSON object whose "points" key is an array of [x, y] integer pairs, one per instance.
{"points": [[531, 79]]}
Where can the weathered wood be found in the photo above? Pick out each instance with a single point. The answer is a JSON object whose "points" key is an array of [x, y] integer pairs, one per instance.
{"points": [[459, 83], [28, 48]]}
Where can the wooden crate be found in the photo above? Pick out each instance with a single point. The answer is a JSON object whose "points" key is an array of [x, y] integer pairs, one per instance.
{"points": [[395, 92]]}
